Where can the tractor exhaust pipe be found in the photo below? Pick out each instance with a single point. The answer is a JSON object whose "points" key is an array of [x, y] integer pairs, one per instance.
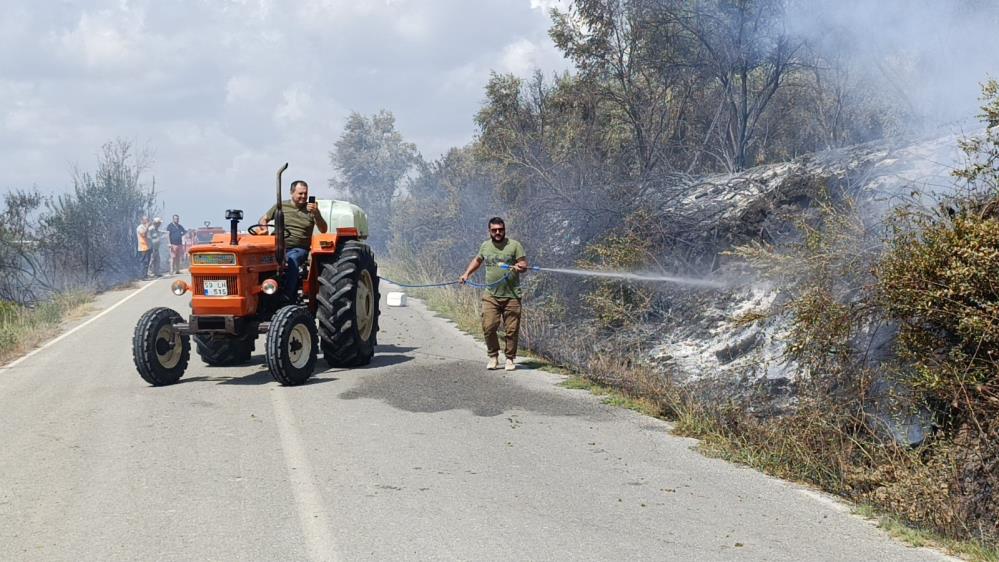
{"points": [[279, 223]]}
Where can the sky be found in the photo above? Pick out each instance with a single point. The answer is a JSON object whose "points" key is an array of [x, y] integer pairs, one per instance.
{"points": [[220, 93]]}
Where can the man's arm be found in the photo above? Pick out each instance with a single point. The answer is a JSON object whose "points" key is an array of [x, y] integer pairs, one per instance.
{"points": [[519, 259], [320, 221], [521, 265], [473, 266], [267, 216]]}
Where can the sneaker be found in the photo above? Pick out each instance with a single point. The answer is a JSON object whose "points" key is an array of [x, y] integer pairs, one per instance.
{"points": [[510, 365], [493, 363]]}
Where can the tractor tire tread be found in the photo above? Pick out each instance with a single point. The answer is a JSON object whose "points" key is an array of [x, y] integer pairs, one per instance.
{"points": [[225, 350], [279, 365], [144, 356], [338, 279]]}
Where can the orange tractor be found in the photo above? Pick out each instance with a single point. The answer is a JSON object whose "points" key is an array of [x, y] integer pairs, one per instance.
{"points": [[236, 296]]}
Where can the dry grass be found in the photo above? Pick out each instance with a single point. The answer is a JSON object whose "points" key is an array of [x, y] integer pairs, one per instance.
{"points": [[923, 538], [23, 328], [457, 303]]}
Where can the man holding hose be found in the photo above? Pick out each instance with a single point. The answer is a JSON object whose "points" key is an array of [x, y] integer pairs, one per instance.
{"points": [[501, 300]]}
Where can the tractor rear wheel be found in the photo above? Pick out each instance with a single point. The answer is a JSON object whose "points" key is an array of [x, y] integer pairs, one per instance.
{"points": [[220, 350], [292, 345], [160, 352], [347, 306]]}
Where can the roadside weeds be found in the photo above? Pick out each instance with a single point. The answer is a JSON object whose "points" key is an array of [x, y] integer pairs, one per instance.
{"points": [[25, 328]]}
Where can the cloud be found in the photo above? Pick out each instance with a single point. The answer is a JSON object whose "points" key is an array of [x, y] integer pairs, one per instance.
{"points": [[547, 5], [224, 90], [103, 40], [296, 104], [523, 56]]}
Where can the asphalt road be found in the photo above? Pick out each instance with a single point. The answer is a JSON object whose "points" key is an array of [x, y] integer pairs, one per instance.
{"points": [[423, 455]]}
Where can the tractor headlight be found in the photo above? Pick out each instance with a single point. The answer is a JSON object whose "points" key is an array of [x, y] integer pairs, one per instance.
{"points": [[269, 286], [179, 287]]}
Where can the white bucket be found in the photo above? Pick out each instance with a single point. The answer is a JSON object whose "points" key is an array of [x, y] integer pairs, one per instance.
{"points": [[396, 299]]}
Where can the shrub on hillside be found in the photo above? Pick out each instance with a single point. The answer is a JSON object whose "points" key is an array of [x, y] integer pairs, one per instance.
{"points": [[938, 279], [618, 304]]}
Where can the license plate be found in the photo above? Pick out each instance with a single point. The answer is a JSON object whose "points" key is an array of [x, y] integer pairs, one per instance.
{"points": [[215, 288]]}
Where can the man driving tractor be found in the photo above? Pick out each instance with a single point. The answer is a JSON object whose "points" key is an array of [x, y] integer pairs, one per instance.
{"points": [[236, 295], [301, 216]]}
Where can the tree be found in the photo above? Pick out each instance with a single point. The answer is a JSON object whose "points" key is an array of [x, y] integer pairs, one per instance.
{"points": [[372, 160], [441, 219], [559, 163], [744, 47], [637, 74], [88, 236], [19, 266]]}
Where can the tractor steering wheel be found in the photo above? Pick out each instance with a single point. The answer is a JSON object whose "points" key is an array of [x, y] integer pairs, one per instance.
{"points": [[265, 230]]}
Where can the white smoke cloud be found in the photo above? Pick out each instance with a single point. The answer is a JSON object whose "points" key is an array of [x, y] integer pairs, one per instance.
{"points": [[931, 55]]}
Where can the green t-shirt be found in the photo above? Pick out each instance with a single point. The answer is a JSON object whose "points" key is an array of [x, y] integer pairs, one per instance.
{"points": [[493, 254], [299, 223]]}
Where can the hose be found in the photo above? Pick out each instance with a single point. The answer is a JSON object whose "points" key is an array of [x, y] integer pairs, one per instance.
{"points": [[429, 285]]}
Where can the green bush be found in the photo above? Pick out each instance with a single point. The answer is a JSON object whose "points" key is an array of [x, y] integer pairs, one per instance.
{"points": [[939, 281]]}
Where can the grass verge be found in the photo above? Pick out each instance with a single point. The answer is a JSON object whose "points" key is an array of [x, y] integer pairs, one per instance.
{"points": [[612, 396], [922, 538], [456, 303], [24, 328]]}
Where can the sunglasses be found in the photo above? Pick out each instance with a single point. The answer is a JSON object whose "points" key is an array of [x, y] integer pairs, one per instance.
{"points": [[497, 229]]}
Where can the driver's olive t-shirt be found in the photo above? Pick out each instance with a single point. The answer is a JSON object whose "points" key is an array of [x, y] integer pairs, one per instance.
{"points": [[506, 252], [299, 223]]}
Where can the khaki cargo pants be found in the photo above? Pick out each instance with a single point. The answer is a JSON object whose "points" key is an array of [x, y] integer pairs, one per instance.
{"points": [[493, 311]]}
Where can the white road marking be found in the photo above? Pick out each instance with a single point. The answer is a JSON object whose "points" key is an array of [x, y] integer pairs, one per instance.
{"points": [[824, 499], [47, 345], [312, 513]]}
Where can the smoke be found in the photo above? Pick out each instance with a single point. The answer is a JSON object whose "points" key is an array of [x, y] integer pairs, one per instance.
{"points": [[928, 55]]}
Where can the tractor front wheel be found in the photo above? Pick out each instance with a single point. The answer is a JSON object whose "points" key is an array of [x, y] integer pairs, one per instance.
{"points": [[160, 352], [347, 306], [292, 345]]}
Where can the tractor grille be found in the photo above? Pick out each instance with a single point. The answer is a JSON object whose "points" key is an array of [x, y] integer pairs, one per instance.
{"points": [[232, 286]]}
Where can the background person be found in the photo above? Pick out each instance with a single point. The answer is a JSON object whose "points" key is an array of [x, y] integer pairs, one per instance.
{"points": [[300, 218], [142, 248], [154, 235], [502, 301], [176, 232]]}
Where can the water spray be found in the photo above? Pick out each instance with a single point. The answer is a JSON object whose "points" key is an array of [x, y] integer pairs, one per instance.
{"points": [[581, 272], [626, 276]]}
